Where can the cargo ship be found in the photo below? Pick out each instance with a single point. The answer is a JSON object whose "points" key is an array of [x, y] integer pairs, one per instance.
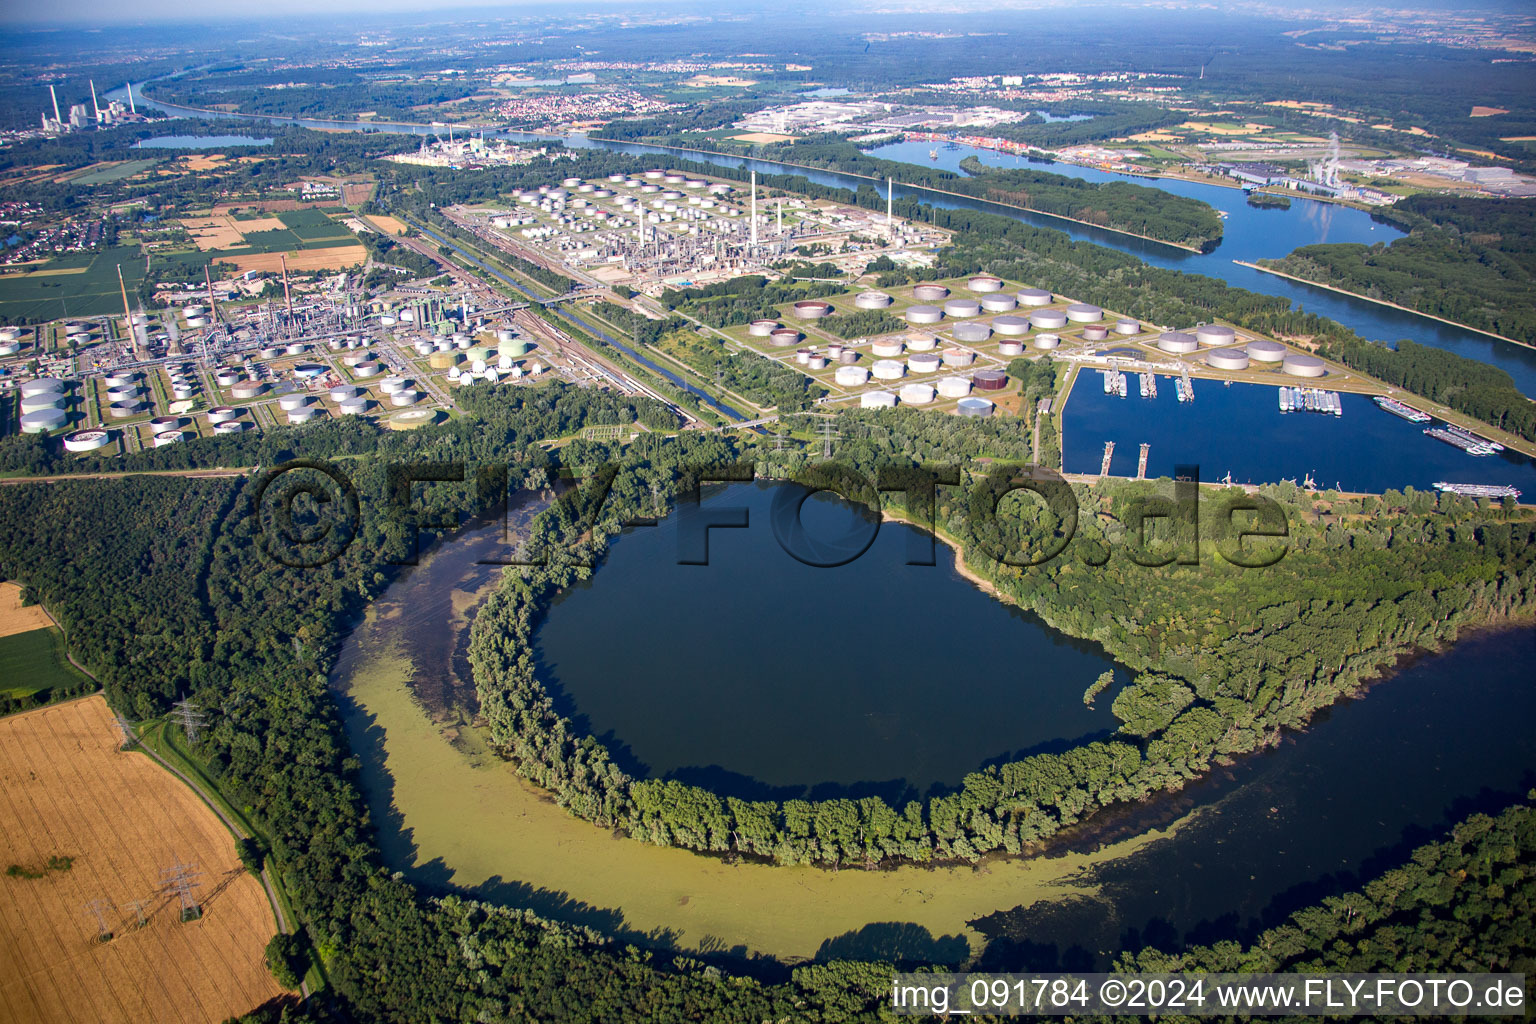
{"points": [[1397, 408], [1464, 433], [1480, 490], [1468, 445]]}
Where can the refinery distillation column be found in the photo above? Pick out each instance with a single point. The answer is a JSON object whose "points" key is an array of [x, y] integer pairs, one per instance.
{"points": [[754, 211]]}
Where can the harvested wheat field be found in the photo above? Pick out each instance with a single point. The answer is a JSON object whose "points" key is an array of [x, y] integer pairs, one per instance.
{"points": [[67, 791], [387, 224], [332, 258], [16, 619]]}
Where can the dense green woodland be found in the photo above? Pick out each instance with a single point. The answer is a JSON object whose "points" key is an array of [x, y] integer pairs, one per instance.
{"points": [[1471, 261]]}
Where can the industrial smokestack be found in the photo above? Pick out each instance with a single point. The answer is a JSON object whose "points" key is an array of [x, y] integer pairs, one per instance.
{"points": [[95, 107], [55, 96], [131, 108], [889, 192], [754, 209]]}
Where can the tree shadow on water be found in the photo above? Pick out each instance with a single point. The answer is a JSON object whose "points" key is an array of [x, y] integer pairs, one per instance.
{"points": [[895, 942]]}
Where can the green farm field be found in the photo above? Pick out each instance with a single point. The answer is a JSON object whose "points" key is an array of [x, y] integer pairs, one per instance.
{"points": [[34, 661], [81, 284]]}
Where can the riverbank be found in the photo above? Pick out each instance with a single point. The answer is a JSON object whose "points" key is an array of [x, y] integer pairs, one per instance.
{"points": [[1382, 302]]}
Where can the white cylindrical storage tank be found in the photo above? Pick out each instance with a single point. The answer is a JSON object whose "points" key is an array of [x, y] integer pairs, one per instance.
{"points": [[1227, 359], [354, 406], [974, 407], [811, 309], [783, 337], [924, 362], [42, 421], [886, 348], [197, 321], [229, 427], [916, 394], [77, 327], [248, 389], [221, 413], [367, 369], [1177, 342], [1127, 326], [343, 392], [1084, 313], [354, 357], [1299, 364], [86, 440], [999, 303], [388, 321], [762, 328], [1215, 335], [226, 378], [1033, 297], [166, 437], [816, 362], [125, 393], [389, 385], [924, 315], [953, 387], [307, 371], [49, 400], [962, 307], [958, 357], [406, 397], [851, 376], [304, 415], [972, 332], [163, 423], [193, 310], [182, 393], [919, 341], [288, 403], [1262, 350], [271, 352], [929, 292], [8, 334], [983, 283], [888, 369], [43, 386], [125, 410], [872, 300], [877, 400], [1010, 347], [9, 348], [119, 379], [803, 356], [1047, 341], [1048, 319], [1095, 332]]}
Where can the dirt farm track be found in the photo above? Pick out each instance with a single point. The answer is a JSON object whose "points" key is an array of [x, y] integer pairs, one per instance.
{"points": [[67, 791]]}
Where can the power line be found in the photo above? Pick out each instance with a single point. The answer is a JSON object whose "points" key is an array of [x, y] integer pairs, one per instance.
{"points": [[181, 880], [98, 909], [192, 719]]}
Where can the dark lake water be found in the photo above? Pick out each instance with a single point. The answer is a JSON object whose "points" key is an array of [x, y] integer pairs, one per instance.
{"points": [[1240, 429], [1249, 234], [200, 141], [762, 676]]}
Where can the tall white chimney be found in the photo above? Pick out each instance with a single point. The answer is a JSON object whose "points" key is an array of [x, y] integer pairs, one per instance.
{"points": [[131, 109], [754, 209], [95, 107], [889, 192], [55, 96]]}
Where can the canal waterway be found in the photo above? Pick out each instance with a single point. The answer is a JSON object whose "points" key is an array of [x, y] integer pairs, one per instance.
{"points": [[1250, 233]]}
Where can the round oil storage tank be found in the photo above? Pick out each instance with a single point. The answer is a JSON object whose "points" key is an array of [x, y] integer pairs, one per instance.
{"points": [[9, 348], [872, 300], [77, 327], [886, 348], [1262, 350], [999, 303], [851, 376], [924, 315], [462, 344], [1010, 347], [802, 356], [389, 321], [443, 360], [424, 348], [816, 361], [972, 332], [182, 393], [834, 350], [962, 307], [1227, 359], [222, 414], [1047, 341], [163, 423], [502, 336], [1299, 364], [921, 342], [271, 352], [877, 400], [1095, 332], [762, 328], [916, 394], [197, 321], [929, 292], [342, 392], [847, 357], [354, 406], [783, 337], [1127, 326], [335, 344], [403, 399], [389, 385], [1048, 319], [48, 400], [303, 415], [124, 393], [412, 419], [43, 386], [974, 407], [983, 283], [478, 353], [924, 362], [248, 389], [356, 356], [989, 380], [305, 371], [1033, 297], [288, 403], [10, 334], [368, 369], [958, 357], [193, 310], [953, 387], [888, 369], [811, 309], [229, 427], [515, 348], [1011, 326], [166, 437], [86, 440], [1084, 313], [124, 410], [1177, 342], [42, 421], [1216, 335], [119, 379]]}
